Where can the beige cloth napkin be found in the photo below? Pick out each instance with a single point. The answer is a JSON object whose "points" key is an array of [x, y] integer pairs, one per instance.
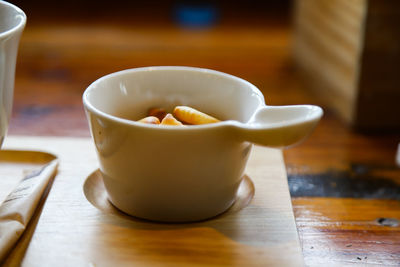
{"points": [[19, 206]]}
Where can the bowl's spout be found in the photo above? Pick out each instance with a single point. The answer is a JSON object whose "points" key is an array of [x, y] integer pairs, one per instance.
{"points": [[279, 126]]}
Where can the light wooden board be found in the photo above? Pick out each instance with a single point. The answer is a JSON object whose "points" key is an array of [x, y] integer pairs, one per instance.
{"points": [[73, 232]]}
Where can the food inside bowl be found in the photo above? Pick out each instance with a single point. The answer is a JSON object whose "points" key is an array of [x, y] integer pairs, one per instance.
{"points": [[182, 115]]}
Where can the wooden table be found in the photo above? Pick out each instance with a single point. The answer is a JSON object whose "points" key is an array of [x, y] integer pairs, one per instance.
{"points": [[345, 186]]}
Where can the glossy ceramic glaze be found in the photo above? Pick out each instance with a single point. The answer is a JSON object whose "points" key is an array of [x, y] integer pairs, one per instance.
{"points": [[170, 173], [12, 23]]}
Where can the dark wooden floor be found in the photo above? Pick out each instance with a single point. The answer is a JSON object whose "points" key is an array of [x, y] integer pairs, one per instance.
{"points": [[345, 185]]}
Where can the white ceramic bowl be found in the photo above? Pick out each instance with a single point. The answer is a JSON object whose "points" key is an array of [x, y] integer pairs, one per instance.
{"points": [[12, 23], [176, 174]]}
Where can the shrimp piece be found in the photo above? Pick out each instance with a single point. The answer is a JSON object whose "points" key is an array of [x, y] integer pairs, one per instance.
{"points": [[192, 116], [150, 120], [160, 113], [170, 120]]}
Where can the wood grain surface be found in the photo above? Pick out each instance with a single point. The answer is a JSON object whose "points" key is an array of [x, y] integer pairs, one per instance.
{"points": [[328, 45], [64, 48], [72, 231]]}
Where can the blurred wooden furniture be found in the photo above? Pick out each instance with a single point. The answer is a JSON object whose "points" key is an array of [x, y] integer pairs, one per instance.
{"points": [[344, 185], [349, 54]]}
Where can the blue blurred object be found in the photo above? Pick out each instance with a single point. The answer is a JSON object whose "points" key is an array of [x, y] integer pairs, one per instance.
{"points": [[196, 15]]}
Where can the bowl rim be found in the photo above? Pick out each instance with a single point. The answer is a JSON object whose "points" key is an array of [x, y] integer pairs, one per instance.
{"points": [[91, 108], [21, 23]]}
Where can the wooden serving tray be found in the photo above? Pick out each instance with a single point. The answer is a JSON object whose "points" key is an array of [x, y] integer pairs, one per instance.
{"points": [[77, 226]]}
